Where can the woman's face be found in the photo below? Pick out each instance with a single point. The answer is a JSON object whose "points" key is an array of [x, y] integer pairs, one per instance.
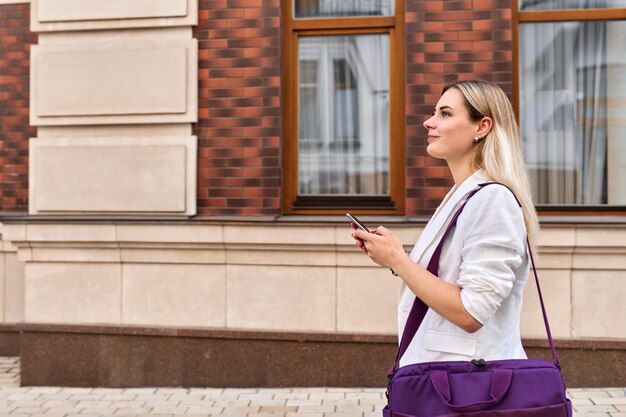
{"points": [[451, 132]]}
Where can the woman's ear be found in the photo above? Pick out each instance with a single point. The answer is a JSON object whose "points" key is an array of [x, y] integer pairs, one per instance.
{"points": [[484, 126]]}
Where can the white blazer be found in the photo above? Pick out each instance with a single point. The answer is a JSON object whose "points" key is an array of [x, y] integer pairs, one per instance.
{"points": [[485, 255]]}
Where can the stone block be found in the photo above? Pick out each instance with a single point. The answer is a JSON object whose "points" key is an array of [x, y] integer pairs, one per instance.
{"points": [[367, 300], [113, 82], [93, 175], [174, 295], [75, 15], [281, 298], [73, 293]]}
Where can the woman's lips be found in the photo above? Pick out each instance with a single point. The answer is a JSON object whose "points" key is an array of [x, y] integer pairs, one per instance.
{"points": [[431, 138]]}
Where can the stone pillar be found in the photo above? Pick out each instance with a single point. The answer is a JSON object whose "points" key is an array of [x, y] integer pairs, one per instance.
{"points": [[113, 94]]}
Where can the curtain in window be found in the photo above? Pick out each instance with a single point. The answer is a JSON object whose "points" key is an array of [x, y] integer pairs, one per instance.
{"points": [[342, 8], [343, 115], [563, 86], [527, 5]]}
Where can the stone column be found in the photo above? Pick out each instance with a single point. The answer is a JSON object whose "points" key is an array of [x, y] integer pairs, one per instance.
{"points": [[113, 94]]}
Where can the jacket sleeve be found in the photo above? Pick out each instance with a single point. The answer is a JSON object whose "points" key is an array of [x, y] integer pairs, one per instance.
{"points": [[494, 247]]}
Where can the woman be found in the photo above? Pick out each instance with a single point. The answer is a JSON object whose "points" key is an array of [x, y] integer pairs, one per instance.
{"points": [[475, 301]]}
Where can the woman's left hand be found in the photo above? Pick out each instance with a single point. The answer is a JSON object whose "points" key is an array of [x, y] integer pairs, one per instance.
{"points": [[382, 246]]}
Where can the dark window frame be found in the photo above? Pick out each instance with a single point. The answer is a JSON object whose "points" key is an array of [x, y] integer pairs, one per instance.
{"points": [[294, 28]]}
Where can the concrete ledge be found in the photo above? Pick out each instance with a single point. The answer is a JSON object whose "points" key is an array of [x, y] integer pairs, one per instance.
{"points": [[282, 260], [113, 356], [66, 15]]}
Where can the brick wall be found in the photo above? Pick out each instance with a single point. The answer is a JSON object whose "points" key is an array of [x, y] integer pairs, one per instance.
{"points": [[447, 41], [15, 40], [239, 128], [239, 107]]}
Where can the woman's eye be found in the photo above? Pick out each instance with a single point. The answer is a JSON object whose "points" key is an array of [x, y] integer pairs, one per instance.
{"points": [[445, 114]]}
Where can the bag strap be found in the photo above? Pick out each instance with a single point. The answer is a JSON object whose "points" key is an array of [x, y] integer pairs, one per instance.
{"points": [[419, 308]]}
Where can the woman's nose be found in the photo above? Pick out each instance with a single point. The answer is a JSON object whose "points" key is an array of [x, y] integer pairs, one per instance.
{"points": [[428, 122]]}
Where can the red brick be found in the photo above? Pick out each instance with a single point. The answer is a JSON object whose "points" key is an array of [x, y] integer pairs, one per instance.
{"points": [[244, 3], [431, 26], [458, 67], [413, 17], [225, 192], [475, 15], [431, 5], [225, 73], [430, 47], [457, 26], [244, 23], [443, 57], [230, 82], [251, 43], [459, 46], [476, 36], [477, 56], [503, 35], [415, 37], [491, 4], [255, 52], [226, 33], [217, 14], [443, 15], [490, 24], [457, 5], [504, 13], [272, 81], [415, 58], [224, 53], [213, 4], [441, 36], [492, 45]]}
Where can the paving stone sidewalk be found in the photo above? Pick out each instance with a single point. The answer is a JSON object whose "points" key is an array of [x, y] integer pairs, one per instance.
{"points": [[16, 401]]}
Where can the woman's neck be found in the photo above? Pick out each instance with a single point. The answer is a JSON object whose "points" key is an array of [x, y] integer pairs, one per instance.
{"points": [[461, 170]]}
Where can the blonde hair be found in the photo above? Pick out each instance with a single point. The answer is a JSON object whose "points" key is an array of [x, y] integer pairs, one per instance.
{"points": [[499, 154]]}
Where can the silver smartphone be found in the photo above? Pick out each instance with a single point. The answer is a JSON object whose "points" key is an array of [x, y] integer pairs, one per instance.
{"points": [[357, 223]]}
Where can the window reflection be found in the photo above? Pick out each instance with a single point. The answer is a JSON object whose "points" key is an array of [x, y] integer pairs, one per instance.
{"points": [[573, 109], [529, 5], [343, 108], [346, 107], [342, 8], [309, 118]]}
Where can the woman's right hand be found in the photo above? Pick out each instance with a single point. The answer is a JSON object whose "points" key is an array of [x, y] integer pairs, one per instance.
{"points": [[382, 246], [359, 242]]}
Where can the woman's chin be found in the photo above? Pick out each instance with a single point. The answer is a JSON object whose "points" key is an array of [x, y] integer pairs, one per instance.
{"points": [[431, 150]]}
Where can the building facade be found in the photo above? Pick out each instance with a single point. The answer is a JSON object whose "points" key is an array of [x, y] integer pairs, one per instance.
{"points": [[175, 175]]}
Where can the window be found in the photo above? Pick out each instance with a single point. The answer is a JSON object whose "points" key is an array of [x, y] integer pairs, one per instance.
{"points": [[343, 106], [572, 101]]}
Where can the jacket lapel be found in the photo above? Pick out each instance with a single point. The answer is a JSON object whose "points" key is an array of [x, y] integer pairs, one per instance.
{"points": [[436, 226]]}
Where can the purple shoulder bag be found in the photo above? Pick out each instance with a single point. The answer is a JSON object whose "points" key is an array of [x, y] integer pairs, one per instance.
{"points": [[477, 388]]}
